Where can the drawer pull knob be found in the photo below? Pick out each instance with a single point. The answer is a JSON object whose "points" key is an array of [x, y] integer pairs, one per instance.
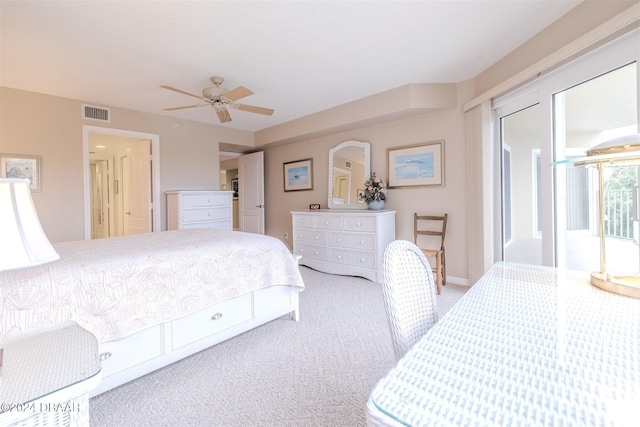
{"points": [[362, 242], [358, 224], [339, 257], [339, 240], [104, 356], [301, 250], [362, 260], [316, 253], [216, 316], [317, 237], [326, 223]]}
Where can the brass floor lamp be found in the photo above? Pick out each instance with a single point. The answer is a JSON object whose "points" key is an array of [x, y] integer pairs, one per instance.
{"points": [[620, 151]]}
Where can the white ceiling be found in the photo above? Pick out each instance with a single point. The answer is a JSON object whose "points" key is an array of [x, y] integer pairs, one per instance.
{"points": [[299, 57]]}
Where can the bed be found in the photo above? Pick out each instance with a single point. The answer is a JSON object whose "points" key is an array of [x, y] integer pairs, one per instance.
{"points": [[155, 298]]}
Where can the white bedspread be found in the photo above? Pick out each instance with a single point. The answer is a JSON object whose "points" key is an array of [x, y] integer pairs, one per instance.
{"points": [[115, 287]]}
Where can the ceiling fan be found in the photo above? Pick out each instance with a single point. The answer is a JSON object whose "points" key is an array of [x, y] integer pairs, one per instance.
{"points": [[219, 98]]}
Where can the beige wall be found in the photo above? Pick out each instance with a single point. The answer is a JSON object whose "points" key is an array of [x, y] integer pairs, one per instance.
{"points": [[447, 124], [51, 127], [570, 27]]}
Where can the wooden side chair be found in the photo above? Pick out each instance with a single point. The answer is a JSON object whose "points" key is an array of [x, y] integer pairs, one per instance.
{"points": [[409, 295], [431, 225]]}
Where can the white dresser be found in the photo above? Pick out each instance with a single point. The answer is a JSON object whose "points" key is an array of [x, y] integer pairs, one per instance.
{"points": [[199, 209], [348, 242]]}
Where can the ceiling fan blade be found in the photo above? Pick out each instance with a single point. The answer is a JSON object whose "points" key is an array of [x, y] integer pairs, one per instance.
{"points": [[187, 106], [253, 109], [181, 91], [237, 93], [223, 115]]}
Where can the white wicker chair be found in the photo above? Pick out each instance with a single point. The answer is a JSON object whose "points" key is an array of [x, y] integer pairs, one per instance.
{"points": [[409, 294]]}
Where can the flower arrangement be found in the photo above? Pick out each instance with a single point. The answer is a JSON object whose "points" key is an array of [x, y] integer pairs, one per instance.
{"points": [[374, 190]]}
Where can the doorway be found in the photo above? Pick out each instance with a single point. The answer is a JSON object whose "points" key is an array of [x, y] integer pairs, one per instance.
{"points": [[121, 182], [242, 171]]}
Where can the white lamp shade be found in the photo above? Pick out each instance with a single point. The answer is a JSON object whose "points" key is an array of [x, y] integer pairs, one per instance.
{"points": [[22, 240]]}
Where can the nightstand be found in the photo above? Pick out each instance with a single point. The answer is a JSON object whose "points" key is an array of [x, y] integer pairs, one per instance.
{"points": [[46, 376]]}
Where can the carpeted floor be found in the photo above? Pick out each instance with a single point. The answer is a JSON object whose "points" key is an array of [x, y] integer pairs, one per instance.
{"points": [[315, 372]]}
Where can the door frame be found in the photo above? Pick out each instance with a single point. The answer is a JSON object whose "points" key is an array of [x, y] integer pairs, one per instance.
{"points": [[87, 130], [248, 207]]}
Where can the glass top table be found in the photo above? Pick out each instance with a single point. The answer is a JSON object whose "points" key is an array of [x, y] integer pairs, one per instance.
{"points": [[38, 364], [526, 345]]}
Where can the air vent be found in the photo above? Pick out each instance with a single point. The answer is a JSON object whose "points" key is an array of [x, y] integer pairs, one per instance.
{"points": [[96, 113], [348, 164]]}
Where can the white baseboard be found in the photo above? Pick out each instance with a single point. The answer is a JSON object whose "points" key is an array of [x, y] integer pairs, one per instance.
{"points": [[458, 281]]}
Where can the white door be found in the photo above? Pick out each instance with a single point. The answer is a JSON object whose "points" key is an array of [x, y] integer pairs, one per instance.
{"points": [[136, 188], [251, 192]]}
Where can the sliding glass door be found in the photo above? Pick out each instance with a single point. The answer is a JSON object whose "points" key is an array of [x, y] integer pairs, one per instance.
{"points": [[549, 212], [521, 189], [585, 115]]}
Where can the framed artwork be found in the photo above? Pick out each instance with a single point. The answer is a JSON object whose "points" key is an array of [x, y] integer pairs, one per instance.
{"points": [[23, 167], [298, 175], [416, 165], [360, 196]]}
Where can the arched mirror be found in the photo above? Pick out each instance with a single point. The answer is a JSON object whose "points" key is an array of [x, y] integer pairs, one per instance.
{"points": [[349, 168]]}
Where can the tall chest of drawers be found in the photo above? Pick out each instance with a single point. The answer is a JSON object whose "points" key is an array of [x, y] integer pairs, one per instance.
{"points": [[344, 242], [199, 209]]}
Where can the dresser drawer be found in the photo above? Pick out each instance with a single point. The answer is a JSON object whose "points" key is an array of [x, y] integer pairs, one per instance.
{"points": [[352, 258], [218, 225], [206, 214], [302, 221], [326, 222], [211, 320], [360, 223], [309, 235], [202, 200], [141, 347], [363, 242], [317, 253]]}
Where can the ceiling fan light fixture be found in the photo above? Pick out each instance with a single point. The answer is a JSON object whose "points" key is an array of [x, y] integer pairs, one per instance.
{"points": [[213, 93], [218, 98]]}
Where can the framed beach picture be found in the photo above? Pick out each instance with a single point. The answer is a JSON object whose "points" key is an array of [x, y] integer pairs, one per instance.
{"points": [[298, 175], [21, 166], [416, 165]]}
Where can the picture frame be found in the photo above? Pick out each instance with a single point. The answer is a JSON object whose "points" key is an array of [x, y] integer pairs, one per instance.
{"points": [[22, 166], [419, 165], [298, 175], [361, 195]]}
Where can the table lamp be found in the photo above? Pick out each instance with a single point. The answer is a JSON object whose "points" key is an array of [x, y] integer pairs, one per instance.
{"points": [[619, 151], [22, 240]]}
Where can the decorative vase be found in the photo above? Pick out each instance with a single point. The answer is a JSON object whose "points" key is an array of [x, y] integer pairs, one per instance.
{"points": [[376, 205]]}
